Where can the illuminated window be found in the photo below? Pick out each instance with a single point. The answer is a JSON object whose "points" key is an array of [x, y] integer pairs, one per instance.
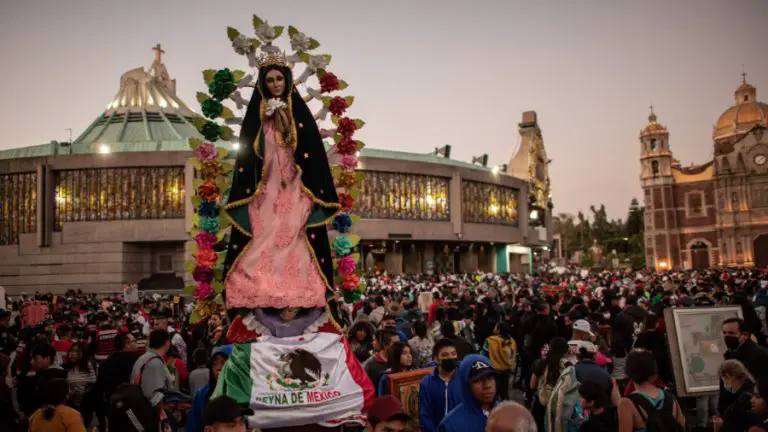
{"points": [[386, 195], [118, 194], [18, 206], [489, 203]]}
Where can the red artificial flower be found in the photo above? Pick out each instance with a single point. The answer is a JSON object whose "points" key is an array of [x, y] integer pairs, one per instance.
{"points": [[206, 258], [208, 191], [338, 106], [346, 127], [346, 201], [328, 83], [351, 282], [346, 146]]}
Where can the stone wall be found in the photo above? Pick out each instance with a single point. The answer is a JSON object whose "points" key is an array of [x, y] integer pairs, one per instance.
{"points": [[92, 256]]}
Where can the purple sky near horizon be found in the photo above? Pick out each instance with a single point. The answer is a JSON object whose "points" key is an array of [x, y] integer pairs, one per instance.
{"points": [[424, 73]]}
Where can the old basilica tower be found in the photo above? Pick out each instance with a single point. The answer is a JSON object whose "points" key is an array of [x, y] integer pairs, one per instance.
{"points": [[716, 213]]}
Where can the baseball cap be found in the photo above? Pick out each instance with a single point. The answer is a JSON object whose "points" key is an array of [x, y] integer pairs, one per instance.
{"points": [[223, 409], [583, 325], [481, 370], [386, 408]]}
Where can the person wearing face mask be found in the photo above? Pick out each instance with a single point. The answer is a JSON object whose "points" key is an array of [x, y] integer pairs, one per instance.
{"points": [[440, 391], [737, 415], [743, 348]]}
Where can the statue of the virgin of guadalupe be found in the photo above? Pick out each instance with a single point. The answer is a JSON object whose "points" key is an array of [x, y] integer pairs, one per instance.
{"points": [[281, 198]]}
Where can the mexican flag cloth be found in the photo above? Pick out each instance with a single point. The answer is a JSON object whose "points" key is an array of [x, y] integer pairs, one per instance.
{"points": [[295, 381]]}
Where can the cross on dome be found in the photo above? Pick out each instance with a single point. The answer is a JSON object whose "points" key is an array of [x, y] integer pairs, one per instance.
{"points": [[158, 49], [652, 115]]}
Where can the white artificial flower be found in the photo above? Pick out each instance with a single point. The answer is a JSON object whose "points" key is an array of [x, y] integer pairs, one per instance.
{"points": [[266, 33], [273, 105], [300, 42], [242, 45], [317, 62]]}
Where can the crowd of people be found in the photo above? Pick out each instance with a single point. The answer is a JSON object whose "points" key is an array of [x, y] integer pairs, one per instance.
{"points": [[558, 351]]}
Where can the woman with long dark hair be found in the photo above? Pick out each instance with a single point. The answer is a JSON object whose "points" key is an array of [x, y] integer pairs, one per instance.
{"points": [[421, 344], [400, 359], [360, 337], [546, 371], [281, 199], [81, 377], [54, 415]]}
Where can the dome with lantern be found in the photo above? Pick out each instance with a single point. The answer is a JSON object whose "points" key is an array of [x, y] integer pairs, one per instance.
{"points": [[653, 127], [744, 115], [145, 114]]}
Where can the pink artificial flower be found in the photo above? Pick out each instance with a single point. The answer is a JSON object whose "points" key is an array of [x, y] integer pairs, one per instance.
{"points": [[346, 265], [206, 152], [348, 162], [205, 240], [203, 290]]}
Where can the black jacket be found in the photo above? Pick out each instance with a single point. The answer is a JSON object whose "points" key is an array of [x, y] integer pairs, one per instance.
{"points": [[655, 342], [543, 330], [738, 415], [115, 370], [754, 357], [606, 421]]}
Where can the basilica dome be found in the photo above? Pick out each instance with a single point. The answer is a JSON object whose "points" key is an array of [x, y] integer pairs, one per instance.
{"points": [[741, 117]]}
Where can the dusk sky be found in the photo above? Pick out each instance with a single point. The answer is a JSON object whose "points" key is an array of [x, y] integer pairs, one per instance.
{"points": [[424, 73]]}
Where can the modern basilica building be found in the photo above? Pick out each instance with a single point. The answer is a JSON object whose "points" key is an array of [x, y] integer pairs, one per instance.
{"points": [[112, 207]]}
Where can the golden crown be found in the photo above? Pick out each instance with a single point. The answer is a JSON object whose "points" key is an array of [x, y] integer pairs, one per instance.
{"points": [[272, 58]]}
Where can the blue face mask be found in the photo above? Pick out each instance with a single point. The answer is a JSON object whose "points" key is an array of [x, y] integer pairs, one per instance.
{"points": [[727, 386]]}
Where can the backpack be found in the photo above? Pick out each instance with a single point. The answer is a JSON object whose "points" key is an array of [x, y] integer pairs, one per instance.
{"points": [[129, 410], [658, 418], [544, 389], [562, 402]]}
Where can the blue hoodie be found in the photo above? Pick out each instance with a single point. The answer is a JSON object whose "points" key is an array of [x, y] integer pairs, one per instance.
{"points": [[468, 416], [200, 398], [434, 394]]}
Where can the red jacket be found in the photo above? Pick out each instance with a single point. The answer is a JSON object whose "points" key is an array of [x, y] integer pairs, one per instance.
{"points": [[433, 310]]}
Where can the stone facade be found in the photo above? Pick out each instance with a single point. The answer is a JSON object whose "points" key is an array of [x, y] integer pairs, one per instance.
{"points": [[716, 213]]}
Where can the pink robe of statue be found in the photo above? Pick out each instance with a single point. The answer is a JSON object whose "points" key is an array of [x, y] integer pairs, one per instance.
{"points": [[277, 269]]}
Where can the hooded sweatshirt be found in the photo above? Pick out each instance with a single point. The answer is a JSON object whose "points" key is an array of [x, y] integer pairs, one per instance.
{"points": [[468, 416], [437, 399], [202, 395]]}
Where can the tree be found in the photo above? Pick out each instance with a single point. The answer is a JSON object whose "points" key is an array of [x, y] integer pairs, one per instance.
{"points": [[635, 222], [563, 224]]}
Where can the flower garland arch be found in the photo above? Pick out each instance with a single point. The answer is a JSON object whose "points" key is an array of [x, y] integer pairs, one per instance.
{"points": [[319, 87]]}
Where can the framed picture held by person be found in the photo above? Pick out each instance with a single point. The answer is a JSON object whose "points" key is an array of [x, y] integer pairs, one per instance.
{"points": [[405, 387], [697, 347]]}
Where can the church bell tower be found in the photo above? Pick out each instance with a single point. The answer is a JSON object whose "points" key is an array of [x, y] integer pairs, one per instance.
{"points": [[656, 179]]}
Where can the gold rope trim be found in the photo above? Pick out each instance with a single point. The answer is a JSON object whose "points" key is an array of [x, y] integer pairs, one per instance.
{"points": [[247, 200], [317, 263], [234, 263], [333, 321], [312, 196], [324, 221]]}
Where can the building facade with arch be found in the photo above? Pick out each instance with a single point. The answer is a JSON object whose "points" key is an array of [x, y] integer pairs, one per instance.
{"points": [[716, 213]]}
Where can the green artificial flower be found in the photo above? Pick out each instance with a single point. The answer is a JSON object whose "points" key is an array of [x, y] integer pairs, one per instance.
{"points": [[222, 85], [209, 224], [342, 246], [212, 108], [211, 131]]}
